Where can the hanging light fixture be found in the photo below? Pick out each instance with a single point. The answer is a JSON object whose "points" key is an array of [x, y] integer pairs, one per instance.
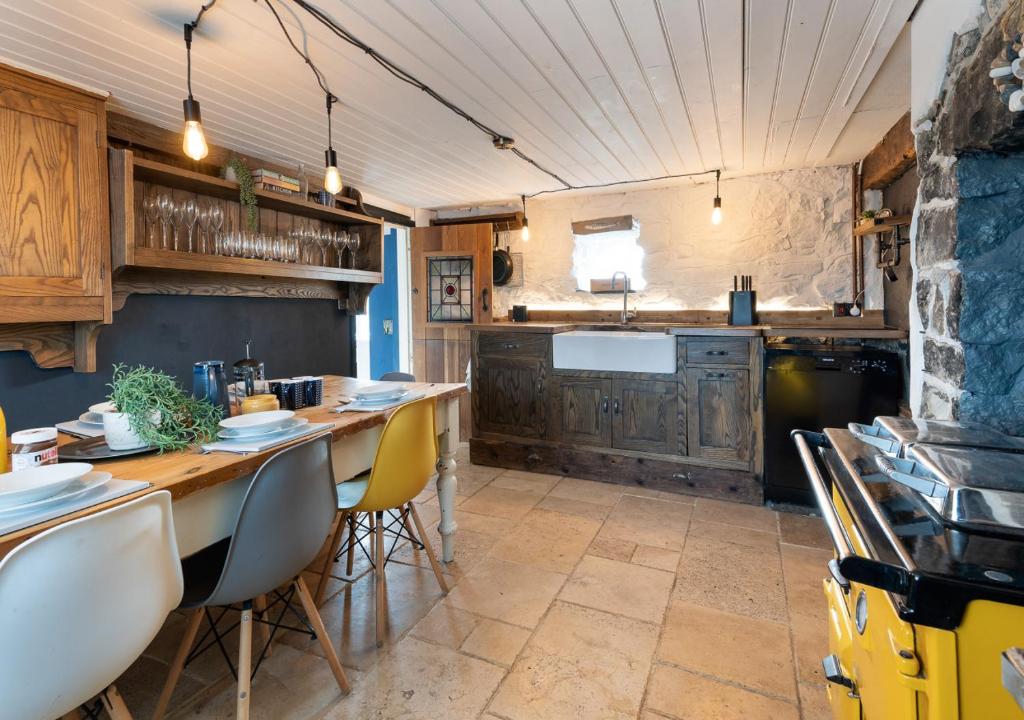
{"points": [[332, 176], [526, 223], [716, 210], [193, 141]]}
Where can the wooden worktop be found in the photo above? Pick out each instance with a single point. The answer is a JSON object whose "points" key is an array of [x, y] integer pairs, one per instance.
{"points": [[187, 471], [552, 327]]}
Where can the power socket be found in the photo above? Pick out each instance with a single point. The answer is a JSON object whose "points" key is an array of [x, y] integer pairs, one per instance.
{"points": [[841, 309]]}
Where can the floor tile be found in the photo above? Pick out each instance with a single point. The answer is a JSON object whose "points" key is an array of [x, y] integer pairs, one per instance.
{"points": [[814, 703], [446, 625], [496, 642], [618, 587], [501, 502], [536, 483], [804, 569], [470, 548], [612, 548], [739, 514], [747, 651], [756, 539], [734, 578], [648, 521], [688, 696], [549, 540], [501, 590], [590, 510], [657, 558], [589, 491], [804, 530], [581, 663], [142, 683], [810, 645], [420, 681]]}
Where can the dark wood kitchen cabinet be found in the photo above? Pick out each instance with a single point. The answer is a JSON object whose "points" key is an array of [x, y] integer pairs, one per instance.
{"points": [[508, 395], [581, 410], [718, 413], [645, 416], [54, 227]]}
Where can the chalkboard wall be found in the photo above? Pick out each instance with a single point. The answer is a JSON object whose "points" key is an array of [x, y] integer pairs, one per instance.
{"points": [[293, 337]]}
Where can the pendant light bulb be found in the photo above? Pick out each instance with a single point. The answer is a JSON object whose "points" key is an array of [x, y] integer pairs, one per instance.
{"points": [[716, 210], [525, 236], [193, 140]]}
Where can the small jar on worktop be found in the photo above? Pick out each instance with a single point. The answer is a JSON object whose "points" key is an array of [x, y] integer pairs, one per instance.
{"points": [[32, 448]]}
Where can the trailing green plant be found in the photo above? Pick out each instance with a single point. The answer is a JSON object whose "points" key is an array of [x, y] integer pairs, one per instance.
{"points": [[143, 392], [867, 214], [246, 191]]}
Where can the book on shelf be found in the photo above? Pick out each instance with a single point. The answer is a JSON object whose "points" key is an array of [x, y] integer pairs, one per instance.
{"points": [[277, 189], [264, 174], [270, 182]]}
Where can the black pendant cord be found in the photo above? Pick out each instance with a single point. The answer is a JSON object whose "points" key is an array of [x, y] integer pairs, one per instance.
{"points": [[500, 140], [189, 28]]}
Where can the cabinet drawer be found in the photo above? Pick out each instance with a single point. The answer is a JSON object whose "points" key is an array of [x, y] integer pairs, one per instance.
{"points": [[717, 351], [521, 344]]}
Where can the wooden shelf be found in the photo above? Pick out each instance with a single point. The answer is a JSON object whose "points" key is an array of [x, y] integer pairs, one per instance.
{"points": [[884, 225], [173, 260], [175, 177]]}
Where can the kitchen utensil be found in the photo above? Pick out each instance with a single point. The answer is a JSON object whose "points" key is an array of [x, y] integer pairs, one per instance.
{"points": [[287, 425], [248, 374], [742, 306], [79, 486], [96, 448], [36, 483], [256, 422], [209, 383], [501, 264]]}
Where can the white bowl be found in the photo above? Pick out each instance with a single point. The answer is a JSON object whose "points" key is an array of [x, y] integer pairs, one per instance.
{"points": [[31, 484], [381, 391], [256, 423], [103, 407]]}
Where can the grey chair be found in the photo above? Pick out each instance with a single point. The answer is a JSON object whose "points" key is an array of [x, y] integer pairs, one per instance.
{"points": [[398, 377], [285, 517]]}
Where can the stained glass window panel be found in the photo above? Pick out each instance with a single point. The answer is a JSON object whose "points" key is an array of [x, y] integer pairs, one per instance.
{"points": [[450, 294]]}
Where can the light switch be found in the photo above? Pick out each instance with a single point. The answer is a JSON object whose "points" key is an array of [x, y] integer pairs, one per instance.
{"points": [[389, 327]]}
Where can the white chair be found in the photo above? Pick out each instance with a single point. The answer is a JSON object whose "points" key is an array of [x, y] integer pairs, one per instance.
{"points": [[80, 602]]}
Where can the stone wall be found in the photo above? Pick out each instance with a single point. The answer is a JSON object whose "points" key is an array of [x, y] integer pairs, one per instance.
{"points": [[968, 242], [790, 230]]}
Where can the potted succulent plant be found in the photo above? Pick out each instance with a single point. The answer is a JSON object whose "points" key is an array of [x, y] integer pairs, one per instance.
{"points": [[151, 409]]}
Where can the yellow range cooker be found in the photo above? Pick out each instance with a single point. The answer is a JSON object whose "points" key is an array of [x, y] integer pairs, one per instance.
{"points": [[926, 590]]}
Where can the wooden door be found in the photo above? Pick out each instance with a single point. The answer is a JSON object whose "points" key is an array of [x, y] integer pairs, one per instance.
{"points": [[54, 224], [581, 410], [645, 416], [718, 413], [508, 396], [441, 350]]}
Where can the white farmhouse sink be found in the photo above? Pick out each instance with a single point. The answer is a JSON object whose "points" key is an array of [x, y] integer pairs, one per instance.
{"points": [[615, 351]]}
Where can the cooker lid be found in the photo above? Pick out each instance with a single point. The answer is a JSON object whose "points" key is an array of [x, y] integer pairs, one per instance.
{"points": [[893, 435]]}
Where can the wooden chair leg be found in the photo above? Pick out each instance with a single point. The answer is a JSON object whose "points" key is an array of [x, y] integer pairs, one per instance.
{"points": [[244, 663], [372, 519], [71, 715], [194, 620], [321, 634], [430, 550], [352, 540], [405, 524], [113, 703], [259, 605], [378, 571], [325, 571]]}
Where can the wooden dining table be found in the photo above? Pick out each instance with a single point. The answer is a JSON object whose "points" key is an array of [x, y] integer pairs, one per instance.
{"points": [[207, 488]]}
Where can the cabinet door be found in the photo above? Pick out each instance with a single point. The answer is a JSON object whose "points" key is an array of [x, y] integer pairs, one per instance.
{"points": [[645, 416], [508, 396], [581, 410], [54, 227], [718, 413]]}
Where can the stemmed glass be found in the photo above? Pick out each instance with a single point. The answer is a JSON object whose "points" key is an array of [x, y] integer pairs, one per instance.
{"points": [[354, 243], [203, 238], [151, 206], [216, 221]]}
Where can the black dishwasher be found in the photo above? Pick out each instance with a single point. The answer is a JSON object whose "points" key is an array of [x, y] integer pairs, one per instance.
{"points": [[813, 387]]}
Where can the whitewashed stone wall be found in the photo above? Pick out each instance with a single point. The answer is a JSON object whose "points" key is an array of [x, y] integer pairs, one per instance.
{"points": [[790, 230]]}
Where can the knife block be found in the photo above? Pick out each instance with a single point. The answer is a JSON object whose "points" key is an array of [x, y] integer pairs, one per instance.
{"points": [[742, 307]]}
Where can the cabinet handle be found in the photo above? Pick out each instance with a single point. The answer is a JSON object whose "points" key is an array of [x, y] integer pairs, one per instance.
{"points": [[615, 406], [716, 352], [483, 299], [511, 346], [716, 375], [604, 405]]}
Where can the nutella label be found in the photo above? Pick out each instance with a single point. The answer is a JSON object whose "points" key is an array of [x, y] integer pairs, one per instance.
{"points": [[21, 461]]}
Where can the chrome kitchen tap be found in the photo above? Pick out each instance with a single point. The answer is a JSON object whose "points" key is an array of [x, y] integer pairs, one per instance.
{"points": [[626, 314]]}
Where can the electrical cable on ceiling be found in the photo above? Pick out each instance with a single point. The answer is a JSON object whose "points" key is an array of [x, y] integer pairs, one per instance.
{"points": [[499, 140]]}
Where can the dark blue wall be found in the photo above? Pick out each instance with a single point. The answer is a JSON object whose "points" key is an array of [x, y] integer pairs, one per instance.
{"points": [[293, 337]]}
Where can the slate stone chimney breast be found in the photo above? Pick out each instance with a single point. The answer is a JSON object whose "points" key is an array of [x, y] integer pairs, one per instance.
{"points": [[969, 238]]}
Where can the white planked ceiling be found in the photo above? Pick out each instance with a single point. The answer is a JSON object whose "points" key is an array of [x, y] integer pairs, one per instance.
{"points": [[596, 90]]}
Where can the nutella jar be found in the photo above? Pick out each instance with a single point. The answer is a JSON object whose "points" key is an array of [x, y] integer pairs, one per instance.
{"points": [[31, 448]]}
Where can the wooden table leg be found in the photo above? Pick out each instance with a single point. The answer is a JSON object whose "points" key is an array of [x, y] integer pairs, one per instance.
{"points": [[446, 482]]}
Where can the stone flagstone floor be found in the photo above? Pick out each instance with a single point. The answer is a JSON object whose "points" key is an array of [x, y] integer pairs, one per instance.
{"points": [[570, 600]]}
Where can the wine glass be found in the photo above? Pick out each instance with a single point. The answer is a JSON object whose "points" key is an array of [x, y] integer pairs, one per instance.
{"points": [[340, 242], [354, 243], [151, 206], [166, 207], [189, 213], [203, 238], [216, 221]]}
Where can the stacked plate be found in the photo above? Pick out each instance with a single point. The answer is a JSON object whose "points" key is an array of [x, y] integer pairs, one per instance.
{"points": [[93, 417], [259, 426], [382, 393], [38, 487]]}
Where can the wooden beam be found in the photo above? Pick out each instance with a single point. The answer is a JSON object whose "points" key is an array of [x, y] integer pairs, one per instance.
{"points": [[891, 157]]}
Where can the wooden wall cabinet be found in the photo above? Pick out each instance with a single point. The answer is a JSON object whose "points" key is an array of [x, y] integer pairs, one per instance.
{"points": [[645, 416], [581, 410], [718, 413], [511, 396], [54, 228]]}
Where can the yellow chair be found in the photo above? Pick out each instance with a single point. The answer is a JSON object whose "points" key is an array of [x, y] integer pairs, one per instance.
{"points": [[405, 460]]}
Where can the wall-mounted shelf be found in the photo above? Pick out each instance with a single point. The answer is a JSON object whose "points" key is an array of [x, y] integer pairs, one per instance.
{"points": [[884, 225]]}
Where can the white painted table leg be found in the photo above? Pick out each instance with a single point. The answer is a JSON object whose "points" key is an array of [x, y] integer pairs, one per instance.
{"points": [[448, 423]]}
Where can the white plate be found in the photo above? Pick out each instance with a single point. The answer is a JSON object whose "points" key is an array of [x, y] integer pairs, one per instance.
{"points": [[25, 486], [381, 391], [91, 418], [89, 481], [287, 425], [100, 408], [259, 422], [369, 402]]}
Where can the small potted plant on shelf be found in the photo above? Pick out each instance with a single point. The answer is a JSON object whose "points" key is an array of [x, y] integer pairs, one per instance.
{"points": [[152, 410]]}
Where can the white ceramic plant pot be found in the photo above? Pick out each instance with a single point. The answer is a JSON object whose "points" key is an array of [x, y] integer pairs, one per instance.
{"points": [[119, 433]]}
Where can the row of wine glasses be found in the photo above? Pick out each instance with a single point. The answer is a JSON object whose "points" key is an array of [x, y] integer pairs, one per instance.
{"points": [[172, 225], [325, 248]]}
